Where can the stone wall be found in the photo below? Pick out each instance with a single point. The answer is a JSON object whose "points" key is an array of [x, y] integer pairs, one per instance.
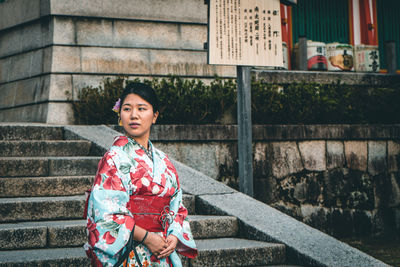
{"points": [[48, 47], [342, 179]]}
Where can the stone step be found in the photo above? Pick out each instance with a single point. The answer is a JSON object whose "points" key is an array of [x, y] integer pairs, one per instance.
{"points": [[238, 252], [20, 131], [40, 148], [45, 186], [45, 257], [41, 208], [212, 252], [72, 233], [47, 166], [53, 208]]}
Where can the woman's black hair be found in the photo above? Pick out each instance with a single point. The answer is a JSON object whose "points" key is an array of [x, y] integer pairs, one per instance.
{"points": [[144, 91]]}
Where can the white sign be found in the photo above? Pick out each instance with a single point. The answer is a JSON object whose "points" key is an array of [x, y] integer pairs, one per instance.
{"points": [[245, 32]]}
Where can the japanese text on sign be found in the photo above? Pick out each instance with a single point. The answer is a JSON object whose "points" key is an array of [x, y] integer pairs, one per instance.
{"points": [[245, 32]]}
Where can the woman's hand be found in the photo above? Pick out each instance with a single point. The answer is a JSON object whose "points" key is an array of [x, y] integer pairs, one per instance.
{"points": [[172, 241], [155, 243]]}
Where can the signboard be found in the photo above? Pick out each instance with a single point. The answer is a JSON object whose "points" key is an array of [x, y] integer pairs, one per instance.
{"points": [[245, 33]]}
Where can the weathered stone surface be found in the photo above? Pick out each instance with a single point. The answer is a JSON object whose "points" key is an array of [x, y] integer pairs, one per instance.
{"points": [[59, 113], [22, 131], [260, 162], [313, 155], [24, 65], [44, 148], [284, 158], [213, 226], [32, 113], [356, 155], [73, 165], [335, 154], [45, 257], [212, 159], [394, 198], [22, 235], [12, 167], [305, 246], [171, 10], [393, 156], [45, 186], [25, 38], [265, 190], [66, 234], [239, 252], [16, 12], [377, 157], [41, 208], [128, 33]]}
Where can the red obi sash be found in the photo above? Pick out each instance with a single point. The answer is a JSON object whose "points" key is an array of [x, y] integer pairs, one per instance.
{"points": [[151, 212]]}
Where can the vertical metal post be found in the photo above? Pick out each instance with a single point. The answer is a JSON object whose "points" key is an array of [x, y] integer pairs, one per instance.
{"points": [[390, 51], [303, 64], [245, 148]]}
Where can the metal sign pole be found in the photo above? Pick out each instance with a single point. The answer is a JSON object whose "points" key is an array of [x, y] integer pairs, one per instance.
{"points": [[245, 147]]}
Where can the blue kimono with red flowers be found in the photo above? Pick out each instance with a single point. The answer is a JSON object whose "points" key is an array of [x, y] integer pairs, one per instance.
{"points": [[127, 170]]}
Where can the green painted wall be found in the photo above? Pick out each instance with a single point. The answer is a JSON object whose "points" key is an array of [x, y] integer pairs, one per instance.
{"points": [[321, 20], [388, 27]]}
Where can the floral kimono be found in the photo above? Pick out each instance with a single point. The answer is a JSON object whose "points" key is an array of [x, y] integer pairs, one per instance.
{"points": [[126, 171]]}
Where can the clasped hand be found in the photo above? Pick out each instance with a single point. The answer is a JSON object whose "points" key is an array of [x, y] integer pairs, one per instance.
{"points": [[159, 246]]}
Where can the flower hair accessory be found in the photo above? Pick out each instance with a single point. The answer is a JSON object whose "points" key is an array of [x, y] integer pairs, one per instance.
{"points": [[116, 109], [117, 106]]}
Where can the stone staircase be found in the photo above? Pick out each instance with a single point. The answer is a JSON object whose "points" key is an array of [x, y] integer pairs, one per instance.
{"points": [[42, 182]]}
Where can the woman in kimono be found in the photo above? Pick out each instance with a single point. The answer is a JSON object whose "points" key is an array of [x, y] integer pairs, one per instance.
{"points": [[135, 215]]}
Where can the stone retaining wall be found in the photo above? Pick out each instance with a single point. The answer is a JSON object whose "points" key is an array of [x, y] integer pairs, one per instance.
{"points": [[342, 179]]}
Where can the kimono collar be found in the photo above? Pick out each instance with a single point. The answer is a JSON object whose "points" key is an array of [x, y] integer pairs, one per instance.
{"points": [[158, 165]]}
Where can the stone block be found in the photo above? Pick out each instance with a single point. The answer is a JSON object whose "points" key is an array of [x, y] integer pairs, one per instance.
{"points": [[45, 186], [45, 257], [64, 31], [356, 155], [335, 155], [213, 226], [59, 85], [33, 113], [72, 166], [66, 59], [315, 216], [32, 90], [169, 10], [215, 160], [393, 156], [67, 234], [22, 236], [377, 157], [95, 32], [313, 155], [265, 190], [59, 113], [284, 158], [41, 208], [24, 38], [18, 167], [21, 66], [260, 163], [394, 198], [18, 11], [8, 95], [237, 252]]}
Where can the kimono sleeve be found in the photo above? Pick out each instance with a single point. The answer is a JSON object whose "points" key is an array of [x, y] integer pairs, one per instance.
{"points": [[180, 227], [109, 221]]}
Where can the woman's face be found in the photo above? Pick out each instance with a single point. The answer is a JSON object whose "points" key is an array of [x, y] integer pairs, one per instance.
{"points": [[137, 116]]}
